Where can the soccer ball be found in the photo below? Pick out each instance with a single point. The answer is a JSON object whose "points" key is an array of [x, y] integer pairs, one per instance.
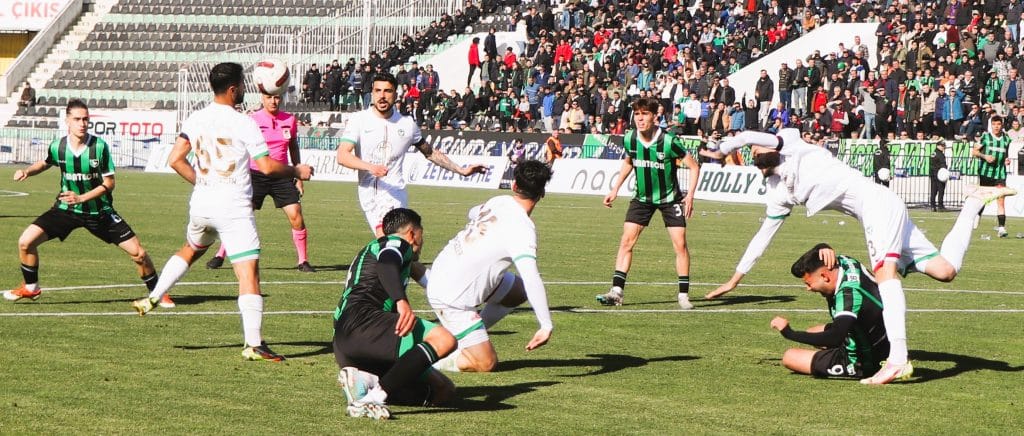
{"points": [[942, 175], [884, 174], [271, 76]]}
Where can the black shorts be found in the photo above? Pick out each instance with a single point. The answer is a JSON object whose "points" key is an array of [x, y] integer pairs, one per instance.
{"points": [[283, 191], [988, 181], [835, 362], [109, 227], [640, 213], [364, 337]]}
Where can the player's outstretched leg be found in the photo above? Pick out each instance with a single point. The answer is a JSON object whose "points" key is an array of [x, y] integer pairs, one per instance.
{"points": [[954, 246], [28, 253], [174, 270]]}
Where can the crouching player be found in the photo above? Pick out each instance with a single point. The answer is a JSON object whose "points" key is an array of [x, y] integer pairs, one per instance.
{"points": [[854, 343], [471, 271], [384, 351]]}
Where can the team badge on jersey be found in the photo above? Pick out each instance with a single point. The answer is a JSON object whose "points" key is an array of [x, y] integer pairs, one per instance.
{"points": [[661, 156], [286, 133], [94, 163], [401, 132]]}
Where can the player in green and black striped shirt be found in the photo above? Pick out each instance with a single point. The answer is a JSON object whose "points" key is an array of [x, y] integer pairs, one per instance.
{"points": [[652, 157], [991, 152], [85, 200], [855, 342], [384, 351]]}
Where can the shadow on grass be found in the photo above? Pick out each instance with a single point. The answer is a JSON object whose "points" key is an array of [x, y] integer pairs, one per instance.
{"points": [[961, 364], [319, 268], [605, 363], [110, 301], [744, 299], [16, 216], [189, 300], [483, 398], [316, 348]]}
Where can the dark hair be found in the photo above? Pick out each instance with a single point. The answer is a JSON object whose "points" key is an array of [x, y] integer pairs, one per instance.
{"points": [[476, 40], [648, 104], [386, 77], [809, 262], [531, 176], [75, 104], [225, 75], [996, 118], [397, 219]]}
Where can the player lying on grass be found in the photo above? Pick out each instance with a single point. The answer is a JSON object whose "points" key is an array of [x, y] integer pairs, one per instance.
{"points": [[798, 173], [86, 199], [472, 270], [384, 351], [854, 343]]}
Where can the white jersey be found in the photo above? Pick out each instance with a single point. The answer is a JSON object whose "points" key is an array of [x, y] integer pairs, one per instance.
{"points": [[384, 142], [471, 266], [223, 141]]}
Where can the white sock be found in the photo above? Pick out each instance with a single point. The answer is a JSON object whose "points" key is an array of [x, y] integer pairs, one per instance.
{"points": [[494, 312], [894, 314], [450, 363], [174, 270], [251, 307], [954, 247]]}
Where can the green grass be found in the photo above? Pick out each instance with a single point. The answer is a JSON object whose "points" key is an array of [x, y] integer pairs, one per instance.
{"points": [[605, 371]]}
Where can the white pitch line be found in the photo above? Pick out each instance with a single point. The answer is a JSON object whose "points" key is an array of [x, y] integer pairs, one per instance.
{"points": [[570, 311], [559, 283], [12, 194]]}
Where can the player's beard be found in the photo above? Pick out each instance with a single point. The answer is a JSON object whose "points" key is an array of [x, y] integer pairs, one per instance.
{"points": [[767, 162]]}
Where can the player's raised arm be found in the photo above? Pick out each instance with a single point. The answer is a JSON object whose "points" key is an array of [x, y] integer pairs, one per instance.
{"points": [[751, 137], [538, 298], [758, 244], [348, 159], [178, 159], [36, 168], [834, 334], [624, 172], [441, 159]]}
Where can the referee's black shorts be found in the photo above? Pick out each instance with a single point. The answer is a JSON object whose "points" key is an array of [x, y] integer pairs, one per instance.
{"points": [[673, 214], [108, 227], [283, 191]]}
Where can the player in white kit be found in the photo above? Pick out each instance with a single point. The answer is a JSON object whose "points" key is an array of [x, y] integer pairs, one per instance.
{"points": [[472, 270], [798, 173], [223, 141], [374, 143]]}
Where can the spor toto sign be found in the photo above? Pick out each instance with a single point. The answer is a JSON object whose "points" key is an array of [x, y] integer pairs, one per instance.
{"points": [[143, 126], [31, 15]]}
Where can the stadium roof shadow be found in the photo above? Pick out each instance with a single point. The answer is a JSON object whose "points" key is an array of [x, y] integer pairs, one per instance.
{"points": [[491, 398], [961, 364], [605, 363]]}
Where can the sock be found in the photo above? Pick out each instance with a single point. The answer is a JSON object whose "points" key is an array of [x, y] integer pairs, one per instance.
{"points": [[450, 363], [409, 367], [31, 276], [251, 307], [299, 238], [954, 247], [1001, 219], [223, 252], [684, 284], [150, 281], [894, 314], [174, 270], [619, 279], [494, 312]]}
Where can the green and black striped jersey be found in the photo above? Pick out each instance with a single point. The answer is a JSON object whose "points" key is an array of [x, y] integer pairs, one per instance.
{"points": [[363, 285], [998, 148], [655, 166], [857, 296], [82, 172]]}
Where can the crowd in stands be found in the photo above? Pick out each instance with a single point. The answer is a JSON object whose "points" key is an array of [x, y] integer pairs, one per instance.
{"points": [[940, 69]]}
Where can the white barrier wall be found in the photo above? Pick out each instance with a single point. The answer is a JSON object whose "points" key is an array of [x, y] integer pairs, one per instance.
{"points": [[825, 38]]}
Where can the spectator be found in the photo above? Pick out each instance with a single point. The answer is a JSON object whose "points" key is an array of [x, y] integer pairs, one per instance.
{"points": [[491, 44], [311, 83], [474, 59], [552, 149]]}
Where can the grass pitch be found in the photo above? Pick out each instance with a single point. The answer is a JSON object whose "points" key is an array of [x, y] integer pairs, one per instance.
{"points": [[79, 360]]}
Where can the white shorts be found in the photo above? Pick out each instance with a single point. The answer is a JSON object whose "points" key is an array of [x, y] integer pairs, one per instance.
{"points": [[238, 235], [892, 236], [465, 324], [377, 202]]}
